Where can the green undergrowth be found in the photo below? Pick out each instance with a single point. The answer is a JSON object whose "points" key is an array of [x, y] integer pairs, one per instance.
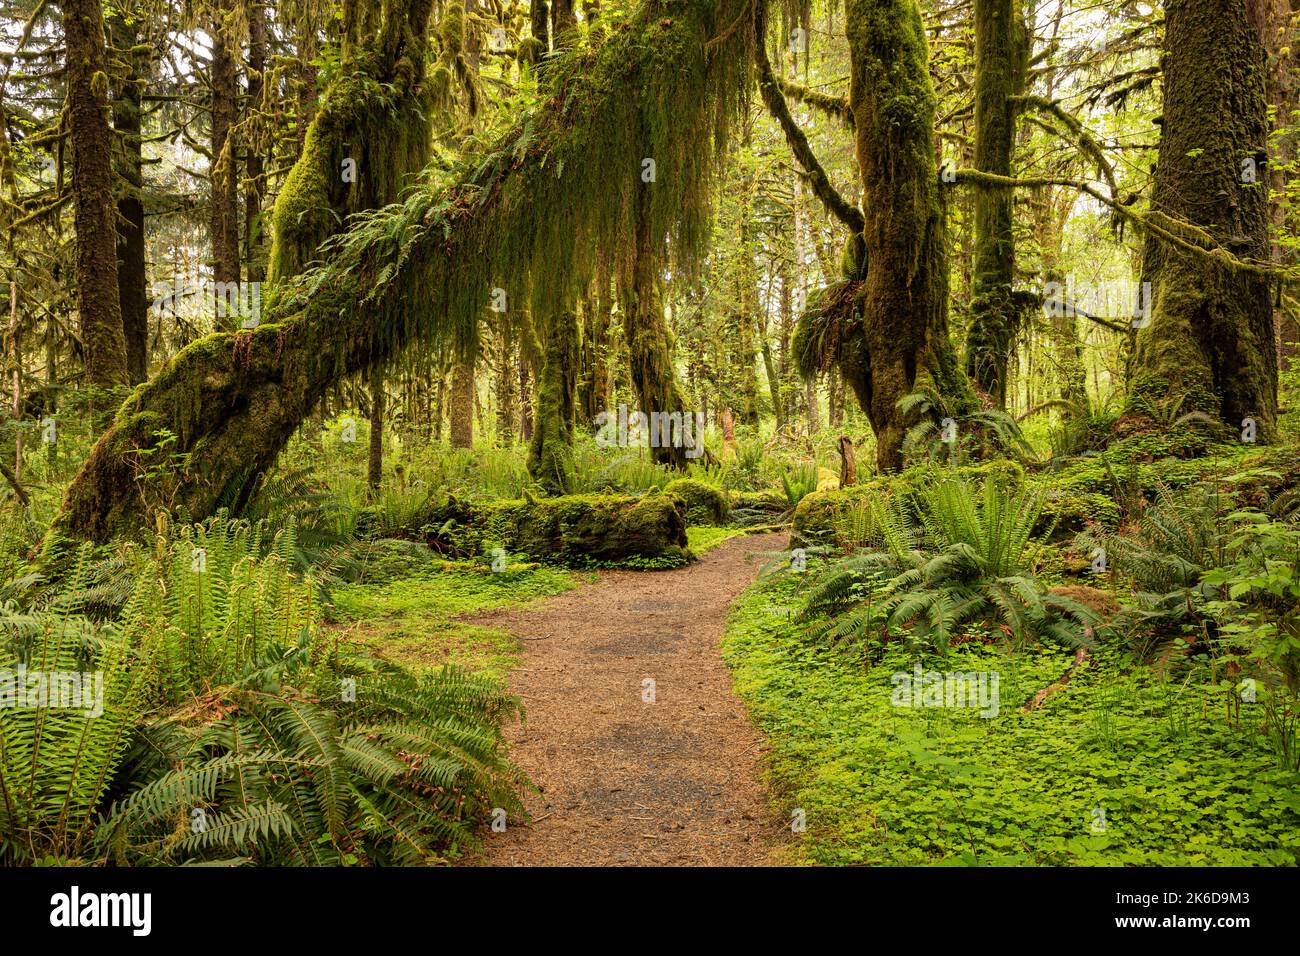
{"points": [[1173, 780], [416, 620], [704, 538]]}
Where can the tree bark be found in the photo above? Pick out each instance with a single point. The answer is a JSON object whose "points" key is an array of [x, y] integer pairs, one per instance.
{"points": [[254, 162], [462, 405], [1210, 341], [375, 465], [223, 215], [98, 305], [1000, 61], [133, 297], [550, 454], [848, 463], [650, 342], [905, 295]]}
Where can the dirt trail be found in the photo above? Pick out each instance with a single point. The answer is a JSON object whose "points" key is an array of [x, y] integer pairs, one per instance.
{"points": [[671, 780]]}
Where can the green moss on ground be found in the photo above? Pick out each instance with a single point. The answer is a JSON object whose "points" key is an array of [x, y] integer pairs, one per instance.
{"points": [[704, 538], [417, 621], [885, 785]]}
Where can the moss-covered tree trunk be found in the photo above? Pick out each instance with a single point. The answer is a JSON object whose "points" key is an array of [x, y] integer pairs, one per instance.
{"points": [[594, 389], [370, 132], [506, 380], [223, 221], [132, 282], [1210, 341], [375, 463], [1000, 60], [905, 294], [98, 306], [550, 451], [461, 413], [650, 342], [254, 160]]}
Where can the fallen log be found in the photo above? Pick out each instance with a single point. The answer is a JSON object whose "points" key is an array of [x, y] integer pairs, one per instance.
{"points": [[574, 530]]}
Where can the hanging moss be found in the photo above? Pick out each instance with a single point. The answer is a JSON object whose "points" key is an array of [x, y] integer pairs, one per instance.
{"points": [[369, 135], [547, 201], [649, 339], [550, 454]]}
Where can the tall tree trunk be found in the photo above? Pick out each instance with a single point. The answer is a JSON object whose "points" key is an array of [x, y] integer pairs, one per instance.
{"points": [[505, 381], [1282, 96], [98, 304], [810, 405], [462, 405], [133, 297], [375, 466], [550, 454], [223, 221], [596, 314], [650, 343], [905, 294], [773, 380], [539, 24], [525, 400], [254, 162], [1001, 49], [1210, 341]]}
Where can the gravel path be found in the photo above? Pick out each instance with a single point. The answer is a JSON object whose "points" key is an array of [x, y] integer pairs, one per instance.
{"points": [[643, 753]]}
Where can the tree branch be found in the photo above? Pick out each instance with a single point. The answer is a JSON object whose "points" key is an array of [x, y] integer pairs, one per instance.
{"points": [[844, 211]]}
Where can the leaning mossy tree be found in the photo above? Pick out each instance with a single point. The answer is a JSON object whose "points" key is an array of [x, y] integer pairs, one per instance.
{"points": [[530, 218], [1209, 344]]}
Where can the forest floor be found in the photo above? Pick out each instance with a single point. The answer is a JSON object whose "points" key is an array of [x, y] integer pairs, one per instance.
{"points": [[640, 748]]}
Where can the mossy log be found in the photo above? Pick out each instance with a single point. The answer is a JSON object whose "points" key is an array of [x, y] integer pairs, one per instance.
{"points": [[705, 504], [575, 530], [423, 271]]}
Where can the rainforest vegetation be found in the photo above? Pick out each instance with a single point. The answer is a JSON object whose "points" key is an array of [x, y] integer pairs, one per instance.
{"points": [[421, 417]]}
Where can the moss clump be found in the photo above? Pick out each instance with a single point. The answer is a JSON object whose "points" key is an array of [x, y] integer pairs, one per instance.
{"points": [[1069, 514], [816, 514], [575, 530], [705, 504]]}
